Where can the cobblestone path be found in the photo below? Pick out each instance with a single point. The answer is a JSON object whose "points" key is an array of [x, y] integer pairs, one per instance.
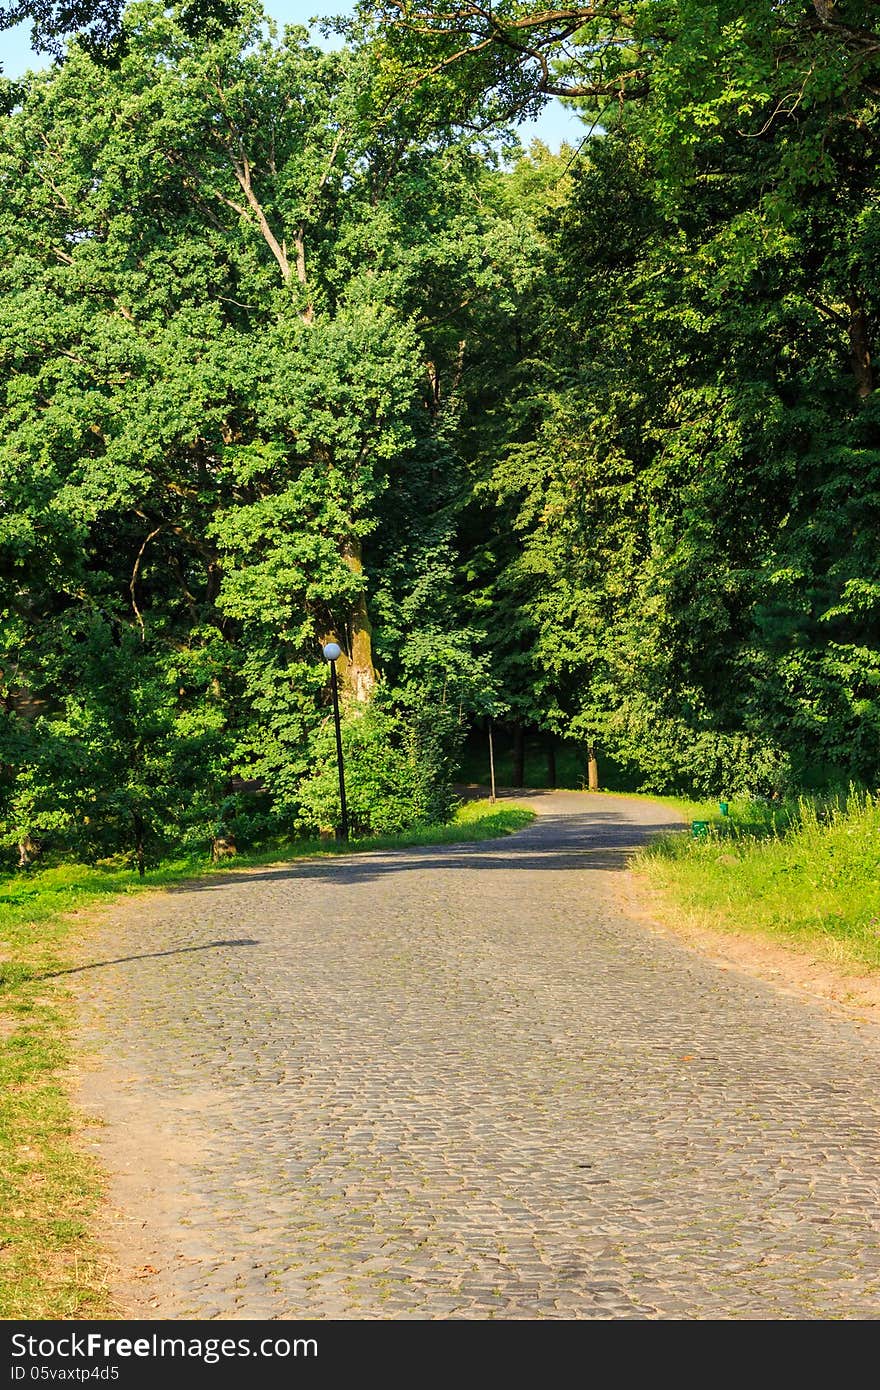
{"points": [[458, 1082]]}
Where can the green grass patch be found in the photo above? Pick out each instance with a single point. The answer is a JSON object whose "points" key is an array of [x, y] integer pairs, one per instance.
{"points": [[804, 872], [49, 1265]]}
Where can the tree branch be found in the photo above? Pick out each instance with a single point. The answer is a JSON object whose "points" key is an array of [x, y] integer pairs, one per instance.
{"points": [[134, 578]]}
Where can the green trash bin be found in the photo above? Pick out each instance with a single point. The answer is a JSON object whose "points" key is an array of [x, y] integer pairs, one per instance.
{"points": [[724, 808]]}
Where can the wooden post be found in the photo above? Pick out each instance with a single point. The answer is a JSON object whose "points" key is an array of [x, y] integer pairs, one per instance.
{"points": [[139, 843], [491, 762], [519, 755]]}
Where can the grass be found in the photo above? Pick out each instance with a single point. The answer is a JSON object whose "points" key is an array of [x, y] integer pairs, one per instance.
{"points": [[49, 1190], [806, 873]]}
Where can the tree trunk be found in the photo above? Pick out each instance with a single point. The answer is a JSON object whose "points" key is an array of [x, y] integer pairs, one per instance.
{"points": [[860, 349], [519, 755], [356, 672], [551, 761], [592, 769], [27, 852], [223, 846]]}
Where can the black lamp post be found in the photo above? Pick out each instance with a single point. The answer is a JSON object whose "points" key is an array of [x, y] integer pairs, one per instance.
{"points": [[332, 652]]}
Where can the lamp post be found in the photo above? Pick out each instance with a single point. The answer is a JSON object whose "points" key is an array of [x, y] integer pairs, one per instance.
{"points": [[332, 652]]}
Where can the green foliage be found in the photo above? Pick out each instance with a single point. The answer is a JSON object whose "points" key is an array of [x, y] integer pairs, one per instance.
{"points": [[687, 473], [394, 776], [212, 332], [123, 757], [585, 442]]}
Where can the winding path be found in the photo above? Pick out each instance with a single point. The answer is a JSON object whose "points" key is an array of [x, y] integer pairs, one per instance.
{"points": [[459, 1082]]}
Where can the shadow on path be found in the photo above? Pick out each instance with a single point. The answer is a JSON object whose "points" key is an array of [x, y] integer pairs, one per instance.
{"points": [[146, 955], [596, 839]]}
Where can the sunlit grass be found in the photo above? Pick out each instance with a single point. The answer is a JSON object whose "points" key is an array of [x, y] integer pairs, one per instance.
{"points": [[806, 872], [49, 1266]]}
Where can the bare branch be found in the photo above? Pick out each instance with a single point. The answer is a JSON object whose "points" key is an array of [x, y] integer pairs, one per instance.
{"points": [[134, 578], [242, 170]]}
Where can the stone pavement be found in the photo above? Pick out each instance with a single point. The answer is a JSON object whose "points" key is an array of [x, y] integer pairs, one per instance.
{"points": [[458, 1082]]}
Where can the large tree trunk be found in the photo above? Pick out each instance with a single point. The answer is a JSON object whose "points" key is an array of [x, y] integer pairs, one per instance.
{"points": [[356, 671], [519, 755], [223, 846], [27, 852]]}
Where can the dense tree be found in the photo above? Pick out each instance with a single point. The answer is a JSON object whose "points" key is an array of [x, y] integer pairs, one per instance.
{"points": [[96, 25], [695, 490], [587, 442], [607, 49], [213, 304]]}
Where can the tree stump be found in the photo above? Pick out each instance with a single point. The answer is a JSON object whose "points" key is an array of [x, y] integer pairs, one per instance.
{"points": [[223, 846], [27, 852]]}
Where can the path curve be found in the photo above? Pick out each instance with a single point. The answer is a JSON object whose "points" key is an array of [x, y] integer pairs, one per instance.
{"points": [[458, 1082]]}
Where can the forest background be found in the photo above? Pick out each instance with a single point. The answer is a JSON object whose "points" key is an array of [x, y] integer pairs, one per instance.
{"points": [[298, 343]]}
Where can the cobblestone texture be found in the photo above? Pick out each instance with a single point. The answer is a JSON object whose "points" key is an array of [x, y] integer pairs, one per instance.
{"points": [[457, 1082]]}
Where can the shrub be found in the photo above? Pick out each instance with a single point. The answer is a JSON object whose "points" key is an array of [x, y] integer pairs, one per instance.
{"points": [[394, 775]]}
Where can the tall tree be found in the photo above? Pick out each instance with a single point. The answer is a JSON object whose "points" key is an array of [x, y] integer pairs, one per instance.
{"points": [[96, 25], [696, 490], [211, 307]]}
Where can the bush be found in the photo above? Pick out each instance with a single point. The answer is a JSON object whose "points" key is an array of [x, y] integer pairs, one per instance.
{"points": [[394, 775], [665, 754]]}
